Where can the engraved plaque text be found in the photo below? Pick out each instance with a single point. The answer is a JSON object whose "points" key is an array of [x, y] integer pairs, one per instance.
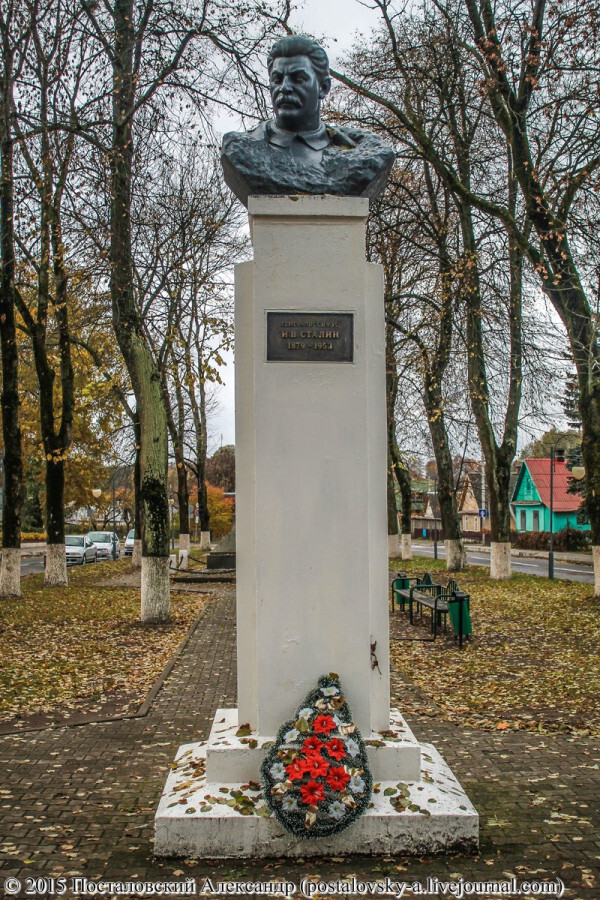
{"points": [[310, 337]]}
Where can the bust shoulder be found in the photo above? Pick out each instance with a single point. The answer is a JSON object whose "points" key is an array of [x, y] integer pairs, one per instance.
{"points": [[357, 163]]}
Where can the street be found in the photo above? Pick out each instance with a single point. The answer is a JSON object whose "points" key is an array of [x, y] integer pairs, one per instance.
{"points": [[528, 565], [32, 565]]}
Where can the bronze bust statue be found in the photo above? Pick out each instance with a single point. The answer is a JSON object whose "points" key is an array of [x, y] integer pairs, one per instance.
{"points": [[295, 153]]}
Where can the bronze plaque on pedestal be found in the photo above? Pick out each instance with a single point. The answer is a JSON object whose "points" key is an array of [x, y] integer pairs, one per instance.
{"points": [[310, 337]]}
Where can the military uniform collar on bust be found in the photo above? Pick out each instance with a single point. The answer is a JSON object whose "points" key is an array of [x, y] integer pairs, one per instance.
{"points": [[316, 140]]}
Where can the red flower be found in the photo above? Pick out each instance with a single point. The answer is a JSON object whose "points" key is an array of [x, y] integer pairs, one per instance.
{"points": [[336, 748], [312, 743], [312, 793], [323, 724], [338, 778], [315, 765], [296, 770]]}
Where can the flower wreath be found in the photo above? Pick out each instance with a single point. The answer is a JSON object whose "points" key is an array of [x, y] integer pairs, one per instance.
{"points": [[316, 777]]}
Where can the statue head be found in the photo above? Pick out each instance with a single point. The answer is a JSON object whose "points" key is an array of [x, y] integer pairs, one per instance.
{"points": [[298, 80]]}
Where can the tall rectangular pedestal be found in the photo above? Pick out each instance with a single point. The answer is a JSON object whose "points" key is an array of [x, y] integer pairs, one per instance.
{"points": [[310, 462]]}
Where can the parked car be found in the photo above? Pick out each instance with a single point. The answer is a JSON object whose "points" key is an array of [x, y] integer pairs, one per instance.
{"points": [[107, 542], [80, 550], [129, 541]]}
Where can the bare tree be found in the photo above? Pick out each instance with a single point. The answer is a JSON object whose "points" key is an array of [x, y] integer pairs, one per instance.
{"points": [[146, 45], [416, 85]]}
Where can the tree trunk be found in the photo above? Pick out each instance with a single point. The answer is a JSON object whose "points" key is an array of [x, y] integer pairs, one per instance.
{"points": [[199, 414], [403, 478], [56, 572], [10, 576], [498, 459], [136, 556], [456, 558], [392, 512], [397, 471], [145, 378]]}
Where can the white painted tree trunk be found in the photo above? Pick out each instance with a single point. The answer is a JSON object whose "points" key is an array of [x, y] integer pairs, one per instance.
{"points": [[596, 558], [184, 551], [156, 588], [455, 556], [136, 556], [205, 540], [500, 561], [56, 566], [393, 546], [407, 546], [10, 573]]}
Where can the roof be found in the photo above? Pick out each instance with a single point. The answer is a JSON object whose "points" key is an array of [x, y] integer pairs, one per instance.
{"points": [[539, 469]]}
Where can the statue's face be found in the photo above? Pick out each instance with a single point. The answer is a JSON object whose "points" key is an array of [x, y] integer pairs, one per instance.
{"points": [[296, 93]]}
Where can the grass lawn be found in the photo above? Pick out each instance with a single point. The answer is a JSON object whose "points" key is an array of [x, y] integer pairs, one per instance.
{"points": [[80, 647], [533, 662]]}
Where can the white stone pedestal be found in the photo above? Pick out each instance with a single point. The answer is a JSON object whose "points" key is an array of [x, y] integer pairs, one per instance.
{"points": [[312, 547]]}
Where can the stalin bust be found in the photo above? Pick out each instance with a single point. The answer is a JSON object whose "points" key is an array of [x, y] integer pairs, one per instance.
{"points": [[295, 153]]}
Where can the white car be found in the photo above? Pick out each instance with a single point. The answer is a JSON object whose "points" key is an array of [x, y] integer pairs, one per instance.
{"points": [[80, 550], [129, 542], [107, 544]]}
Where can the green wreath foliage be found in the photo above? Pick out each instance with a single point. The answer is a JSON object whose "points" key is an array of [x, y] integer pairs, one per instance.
{"points": [[316, 777]]}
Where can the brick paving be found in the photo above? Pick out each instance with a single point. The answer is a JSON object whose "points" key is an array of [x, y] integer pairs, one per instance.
{"points": [[80, 800]]}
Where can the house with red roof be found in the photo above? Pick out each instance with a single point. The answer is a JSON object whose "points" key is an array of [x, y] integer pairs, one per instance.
{"points": [[531, 498]]}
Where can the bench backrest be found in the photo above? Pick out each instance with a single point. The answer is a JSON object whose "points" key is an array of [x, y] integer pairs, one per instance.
{"points": [[426, 579]]}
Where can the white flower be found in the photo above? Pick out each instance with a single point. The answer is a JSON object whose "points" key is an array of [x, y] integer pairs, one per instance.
{"points": [[352, 747], [337, 810], [356, 784], [305, 713], [330, 691], [277, 771], [339, 721], [292, 735], [289, 803]]}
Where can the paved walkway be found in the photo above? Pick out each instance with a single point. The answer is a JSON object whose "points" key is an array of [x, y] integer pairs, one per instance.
{"points": [[81, 800]]}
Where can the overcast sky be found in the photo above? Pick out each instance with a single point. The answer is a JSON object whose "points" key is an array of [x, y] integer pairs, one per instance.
{"points": [[335, 22]]}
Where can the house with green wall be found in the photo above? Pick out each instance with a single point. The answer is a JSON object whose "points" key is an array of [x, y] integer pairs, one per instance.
{"points": [[531, 498]]}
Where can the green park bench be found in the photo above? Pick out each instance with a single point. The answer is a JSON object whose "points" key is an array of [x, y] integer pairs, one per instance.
{"points": [[441, 600]]}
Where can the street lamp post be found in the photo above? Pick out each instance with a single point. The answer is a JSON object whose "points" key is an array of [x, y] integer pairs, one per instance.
{"points": [[560, 456], [551, 548]]}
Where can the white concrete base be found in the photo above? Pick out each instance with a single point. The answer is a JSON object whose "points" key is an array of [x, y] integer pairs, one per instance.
{"points": [[136, 556], [596, 558], [201, 818], [184, 552], [205, 540], [407, 546], [156, 590], [456, 558], [393, 546], [500, 560], [55, 574], [393, 755], [10, 572]]}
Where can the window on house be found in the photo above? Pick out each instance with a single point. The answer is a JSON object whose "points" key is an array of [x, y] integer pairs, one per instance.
{"points": [[536, 520], [523, 520]]}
